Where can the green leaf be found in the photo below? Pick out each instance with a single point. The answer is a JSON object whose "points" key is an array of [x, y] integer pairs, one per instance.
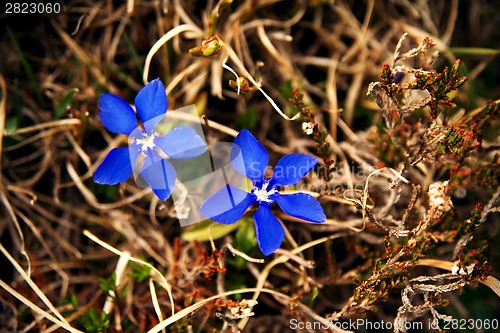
{"points": [[245, 239], [202, 231], [27, 69], [314, 294], [249, 119], [140, 272], [124, 292], [74, 301], [472, 50], [133, 52], [94, 323], [11, 125], [109, 284], [61, 108]]}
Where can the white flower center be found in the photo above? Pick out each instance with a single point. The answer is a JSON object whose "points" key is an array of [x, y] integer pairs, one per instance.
{"points": [[147, 142], [262, 193]]}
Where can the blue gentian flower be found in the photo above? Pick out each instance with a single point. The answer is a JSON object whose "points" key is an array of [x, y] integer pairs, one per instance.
{"points": [[230, 203], [119, 117]]}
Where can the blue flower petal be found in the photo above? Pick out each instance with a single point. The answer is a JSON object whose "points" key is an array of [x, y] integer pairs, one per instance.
{"points": [[160, 176], [116, 115], [227, 205], [292, 168], [151, 103], [115, 168], [253, 159], [268, 229], [181, 142], [300, 205]]}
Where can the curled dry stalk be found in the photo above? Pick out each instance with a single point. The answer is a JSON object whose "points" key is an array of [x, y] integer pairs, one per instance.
{"points": [[220, 47]]}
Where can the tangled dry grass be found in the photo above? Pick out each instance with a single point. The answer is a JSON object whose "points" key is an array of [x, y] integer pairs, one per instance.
{"points": [[408, 174]]}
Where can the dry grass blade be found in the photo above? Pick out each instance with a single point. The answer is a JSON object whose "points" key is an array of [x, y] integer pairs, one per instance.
{"points": [[163, 40], [280, 260], [3, 112], [156, 274], [17, 227], [85, 58], [33, 286], [49, 124], [41, 312]]}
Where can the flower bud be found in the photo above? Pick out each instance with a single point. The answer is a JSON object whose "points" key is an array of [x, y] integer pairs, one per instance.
{"points": [[211, 46], [195, 52], [244, 85], [455, 66]]}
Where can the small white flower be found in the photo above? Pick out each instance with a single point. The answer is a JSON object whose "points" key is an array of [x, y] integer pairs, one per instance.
{"points": [[455, 268], [243, 309], [438, 196], [307, 127]]}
